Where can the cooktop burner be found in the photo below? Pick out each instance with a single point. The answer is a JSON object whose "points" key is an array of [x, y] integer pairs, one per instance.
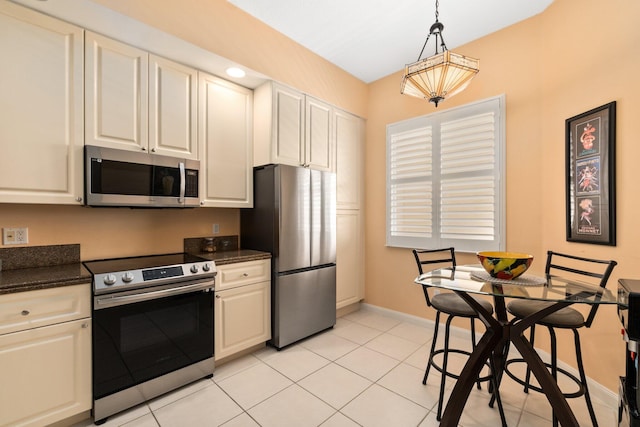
{"points": [[119, 274]]}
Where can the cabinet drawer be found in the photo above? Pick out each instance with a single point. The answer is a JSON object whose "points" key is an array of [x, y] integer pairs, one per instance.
{"points": [[26, 310], [242, 273]]}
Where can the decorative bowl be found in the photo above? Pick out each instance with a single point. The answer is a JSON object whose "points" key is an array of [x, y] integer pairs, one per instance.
{"points": [[505, 265]]}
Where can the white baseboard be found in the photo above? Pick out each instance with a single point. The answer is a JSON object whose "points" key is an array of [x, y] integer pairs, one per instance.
{"points": [[597, 390]]}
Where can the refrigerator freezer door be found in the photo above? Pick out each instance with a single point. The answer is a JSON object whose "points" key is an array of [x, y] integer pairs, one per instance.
{"points": [[303, 304], [294, 246], [323, 218]]}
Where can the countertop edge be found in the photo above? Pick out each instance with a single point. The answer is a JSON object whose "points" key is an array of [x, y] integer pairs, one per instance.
{"points": [[40, 278]]}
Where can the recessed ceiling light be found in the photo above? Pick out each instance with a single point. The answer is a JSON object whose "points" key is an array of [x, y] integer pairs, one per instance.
{"points": [[235, 72]]}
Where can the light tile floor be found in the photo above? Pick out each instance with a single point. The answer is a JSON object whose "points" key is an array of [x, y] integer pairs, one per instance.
{"points": [[366, 371]]}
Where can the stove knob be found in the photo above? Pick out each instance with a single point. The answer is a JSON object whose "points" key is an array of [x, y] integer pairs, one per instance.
{"points": [[194, 268], [110, 279], [127, 277], [206, 267]]}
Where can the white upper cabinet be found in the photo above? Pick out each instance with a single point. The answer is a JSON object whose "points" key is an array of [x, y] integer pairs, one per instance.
{"points": [[41, 108], [116, 94], [173, 103], [319, 142], [349, 131], [292, 128], [225, 128], [137, 101]]}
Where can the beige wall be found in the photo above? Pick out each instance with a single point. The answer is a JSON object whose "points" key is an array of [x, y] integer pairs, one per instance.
{"points": [[575, 56]]}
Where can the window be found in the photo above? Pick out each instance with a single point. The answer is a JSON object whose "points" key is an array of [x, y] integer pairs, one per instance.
{"points": [[445, 182]]}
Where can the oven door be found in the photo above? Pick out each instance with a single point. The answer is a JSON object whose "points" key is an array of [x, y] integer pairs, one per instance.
{"points": [[142, 335]]}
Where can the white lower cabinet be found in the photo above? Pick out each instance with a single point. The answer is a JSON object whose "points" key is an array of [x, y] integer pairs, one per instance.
{"points": [[45, 370], [242, 306], [349, 258]]}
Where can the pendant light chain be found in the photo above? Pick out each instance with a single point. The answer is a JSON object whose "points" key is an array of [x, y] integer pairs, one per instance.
{"points": [[429, 35]]}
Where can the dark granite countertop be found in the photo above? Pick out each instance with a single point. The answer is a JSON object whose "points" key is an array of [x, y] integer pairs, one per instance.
{"points": [[226, 250], [30, 279], [32, 268], [233, 256], [43, 267]]}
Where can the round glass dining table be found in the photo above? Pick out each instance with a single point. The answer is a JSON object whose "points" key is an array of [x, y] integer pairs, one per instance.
{"points": [[559, 291]]}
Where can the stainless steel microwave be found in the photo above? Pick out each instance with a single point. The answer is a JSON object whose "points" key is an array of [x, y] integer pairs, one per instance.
{"points": [[131, 179]]}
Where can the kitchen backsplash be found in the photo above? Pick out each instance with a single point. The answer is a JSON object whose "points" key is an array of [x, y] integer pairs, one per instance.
{"points": [[38, 256]]}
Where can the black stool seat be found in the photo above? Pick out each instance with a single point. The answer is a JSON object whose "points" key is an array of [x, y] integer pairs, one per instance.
{"points": [[454, 305], [564, 318]]}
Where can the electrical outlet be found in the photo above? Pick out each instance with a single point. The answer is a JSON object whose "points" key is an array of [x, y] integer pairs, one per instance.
{"points": [[15, 236], [216, 228]]}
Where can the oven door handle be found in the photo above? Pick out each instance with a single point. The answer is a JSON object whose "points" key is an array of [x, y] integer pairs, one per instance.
{"points": [[113, 301]]}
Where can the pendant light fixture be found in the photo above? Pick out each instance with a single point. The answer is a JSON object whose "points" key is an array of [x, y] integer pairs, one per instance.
{"points": [[439, 76]]}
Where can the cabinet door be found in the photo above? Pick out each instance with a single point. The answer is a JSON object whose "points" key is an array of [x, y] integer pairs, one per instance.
{"points": [[116, 100], [226, 142], [46, 374], [349, 259], [172, 108], [288, 126], [41, 100], [242, 318], [318, 143], [349, 159]]}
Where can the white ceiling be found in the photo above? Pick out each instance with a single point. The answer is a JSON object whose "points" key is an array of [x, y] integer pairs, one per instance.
{"points": [[371, 39]]}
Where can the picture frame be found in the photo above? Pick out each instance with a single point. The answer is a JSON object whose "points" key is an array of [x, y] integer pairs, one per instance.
{"points": [[590, 176]]}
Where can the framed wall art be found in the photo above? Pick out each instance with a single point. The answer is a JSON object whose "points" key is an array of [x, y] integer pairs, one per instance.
{"points": [[590, 176]]}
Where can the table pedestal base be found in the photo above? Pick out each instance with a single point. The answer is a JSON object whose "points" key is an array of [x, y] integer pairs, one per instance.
{"points": [[492, 345]]}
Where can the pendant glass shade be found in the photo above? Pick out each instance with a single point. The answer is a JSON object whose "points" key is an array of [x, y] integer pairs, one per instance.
{"points": [[439, 76]]}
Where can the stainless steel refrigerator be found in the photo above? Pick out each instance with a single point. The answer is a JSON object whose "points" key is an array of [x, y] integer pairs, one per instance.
{"points": [[294, 218]]}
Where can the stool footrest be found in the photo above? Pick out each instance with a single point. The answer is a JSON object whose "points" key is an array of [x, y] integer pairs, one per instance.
{"points": [[535, 388], [438, 368]]}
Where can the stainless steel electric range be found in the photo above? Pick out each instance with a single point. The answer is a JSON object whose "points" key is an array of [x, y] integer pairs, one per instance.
{"points": [[152, 327]]}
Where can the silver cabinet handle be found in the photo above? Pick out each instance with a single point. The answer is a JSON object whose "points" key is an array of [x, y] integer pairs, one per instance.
{"points": [[25, 312]]}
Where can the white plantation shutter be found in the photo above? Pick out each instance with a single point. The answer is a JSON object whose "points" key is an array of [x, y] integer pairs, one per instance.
{"points": [[444, 184], [410, 186]]}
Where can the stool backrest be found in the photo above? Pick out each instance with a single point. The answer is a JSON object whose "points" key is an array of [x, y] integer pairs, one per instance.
{"points": [[446, 257], [581, 267]]}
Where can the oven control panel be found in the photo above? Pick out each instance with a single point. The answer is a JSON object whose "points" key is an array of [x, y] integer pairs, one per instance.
{"points": [[121, 280]]}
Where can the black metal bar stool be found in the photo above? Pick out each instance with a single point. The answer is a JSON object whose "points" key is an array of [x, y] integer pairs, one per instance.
{"points": [[565, 318], [453, 306]]}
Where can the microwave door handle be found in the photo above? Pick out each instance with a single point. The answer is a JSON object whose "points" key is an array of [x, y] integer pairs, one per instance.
{"points": [[182, 183]]}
